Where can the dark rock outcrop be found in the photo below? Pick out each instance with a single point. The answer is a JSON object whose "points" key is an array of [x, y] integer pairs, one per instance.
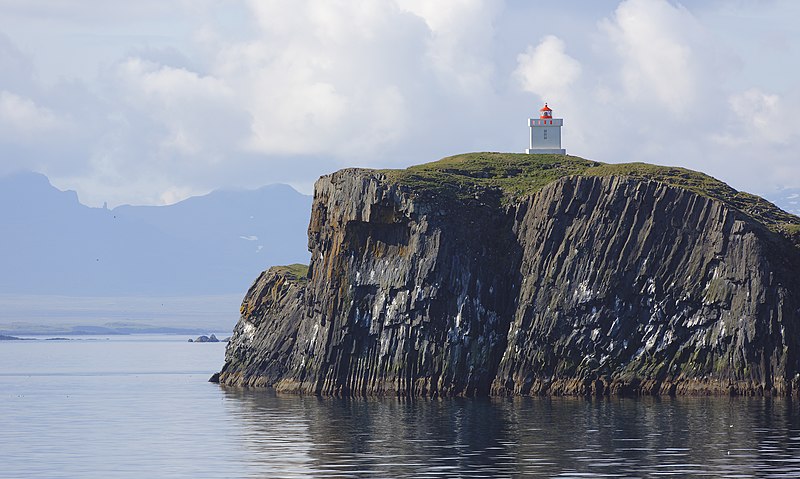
{"points": [[590, 285], [205, 339]]}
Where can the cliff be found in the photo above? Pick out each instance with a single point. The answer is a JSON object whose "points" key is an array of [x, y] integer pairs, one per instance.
{"points": [[529, 274]]}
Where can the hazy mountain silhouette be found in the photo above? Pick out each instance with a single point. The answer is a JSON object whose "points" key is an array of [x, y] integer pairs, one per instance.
{"points": [[212, 244]]}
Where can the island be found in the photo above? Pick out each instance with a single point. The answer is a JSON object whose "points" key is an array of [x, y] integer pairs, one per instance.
{"points": [[513, 274]]}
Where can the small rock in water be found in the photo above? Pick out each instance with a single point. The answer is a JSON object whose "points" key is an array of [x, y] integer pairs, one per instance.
{"points": [[206, 339]]}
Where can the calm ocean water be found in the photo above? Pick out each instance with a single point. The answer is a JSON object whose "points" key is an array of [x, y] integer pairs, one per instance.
{"points": [[140, 406]]}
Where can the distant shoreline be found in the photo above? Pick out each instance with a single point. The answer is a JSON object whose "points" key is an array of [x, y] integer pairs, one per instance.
{"points": [[4, 337], [87, 336], [99, 330]]}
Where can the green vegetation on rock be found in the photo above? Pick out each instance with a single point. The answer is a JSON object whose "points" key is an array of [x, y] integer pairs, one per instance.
{"points": [[516, 174], [292, 272], [519, 174]]}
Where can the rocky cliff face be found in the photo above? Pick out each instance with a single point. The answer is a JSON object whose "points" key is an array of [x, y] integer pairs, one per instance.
{"points": [[591, 284]]}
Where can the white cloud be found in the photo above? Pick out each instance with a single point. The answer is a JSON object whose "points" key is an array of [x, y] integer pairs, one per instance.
{"points": [[323, 77], [22, 120], [198, 112], [460, 38], [656, 42], [763, 117], [547, 70], [351, 79], [759, 139]]}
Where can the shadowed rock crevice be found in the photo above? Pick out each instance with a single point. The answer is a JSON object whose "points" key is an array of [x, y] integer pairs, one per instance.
{"points": [[590, 284]]}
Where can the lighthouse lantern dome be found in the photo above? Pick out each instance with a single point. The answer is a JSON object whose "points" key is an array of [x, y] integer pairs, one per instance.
{"points": [[546, 112]]}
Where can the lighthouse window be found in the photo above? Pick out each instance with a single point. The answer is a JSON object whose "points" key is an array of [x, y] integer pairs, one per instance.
{"points": [[545, 134]]}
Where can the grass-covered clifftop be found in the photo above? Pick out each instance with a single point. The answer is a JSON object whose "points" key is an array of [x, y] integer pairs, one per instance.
{"points": [[516, 174], [520, 174]]}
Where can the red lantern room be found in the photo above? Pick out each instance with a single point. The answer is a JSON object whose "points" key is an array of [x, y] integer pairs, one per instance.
{"points": [[546, 113]]}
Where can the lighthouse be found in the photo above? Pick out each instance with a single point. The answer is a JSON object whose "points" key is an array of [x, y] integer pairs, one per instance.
{"points": [[546, 133]]}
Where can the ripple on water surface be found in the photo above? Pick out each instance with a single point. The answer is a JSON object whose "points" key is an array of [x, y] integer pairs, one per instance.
{"points": [[141, 407]]}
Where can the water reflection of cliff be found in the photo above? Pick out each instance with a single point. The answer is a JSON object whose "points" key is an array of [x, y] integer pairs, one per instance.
{"points": [[294, 436]]}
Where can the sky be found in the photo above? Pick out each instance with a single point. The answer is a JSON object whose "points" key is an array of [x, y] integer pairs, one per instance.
{"points": [[152, 101]]}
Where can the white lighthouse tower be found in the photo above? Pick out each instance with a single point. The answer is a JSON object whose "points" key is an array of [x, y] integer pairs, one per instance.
{"points": [[546, 133]]}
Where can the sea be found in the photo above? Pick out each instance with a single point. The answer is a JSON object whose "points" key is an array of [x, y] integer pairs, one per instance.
{"points": [[141, 406]]}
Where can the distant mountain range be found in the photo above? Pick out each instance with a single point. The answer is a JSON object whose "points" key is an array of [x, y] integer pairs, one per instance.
{"points": [[214, 244]]}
